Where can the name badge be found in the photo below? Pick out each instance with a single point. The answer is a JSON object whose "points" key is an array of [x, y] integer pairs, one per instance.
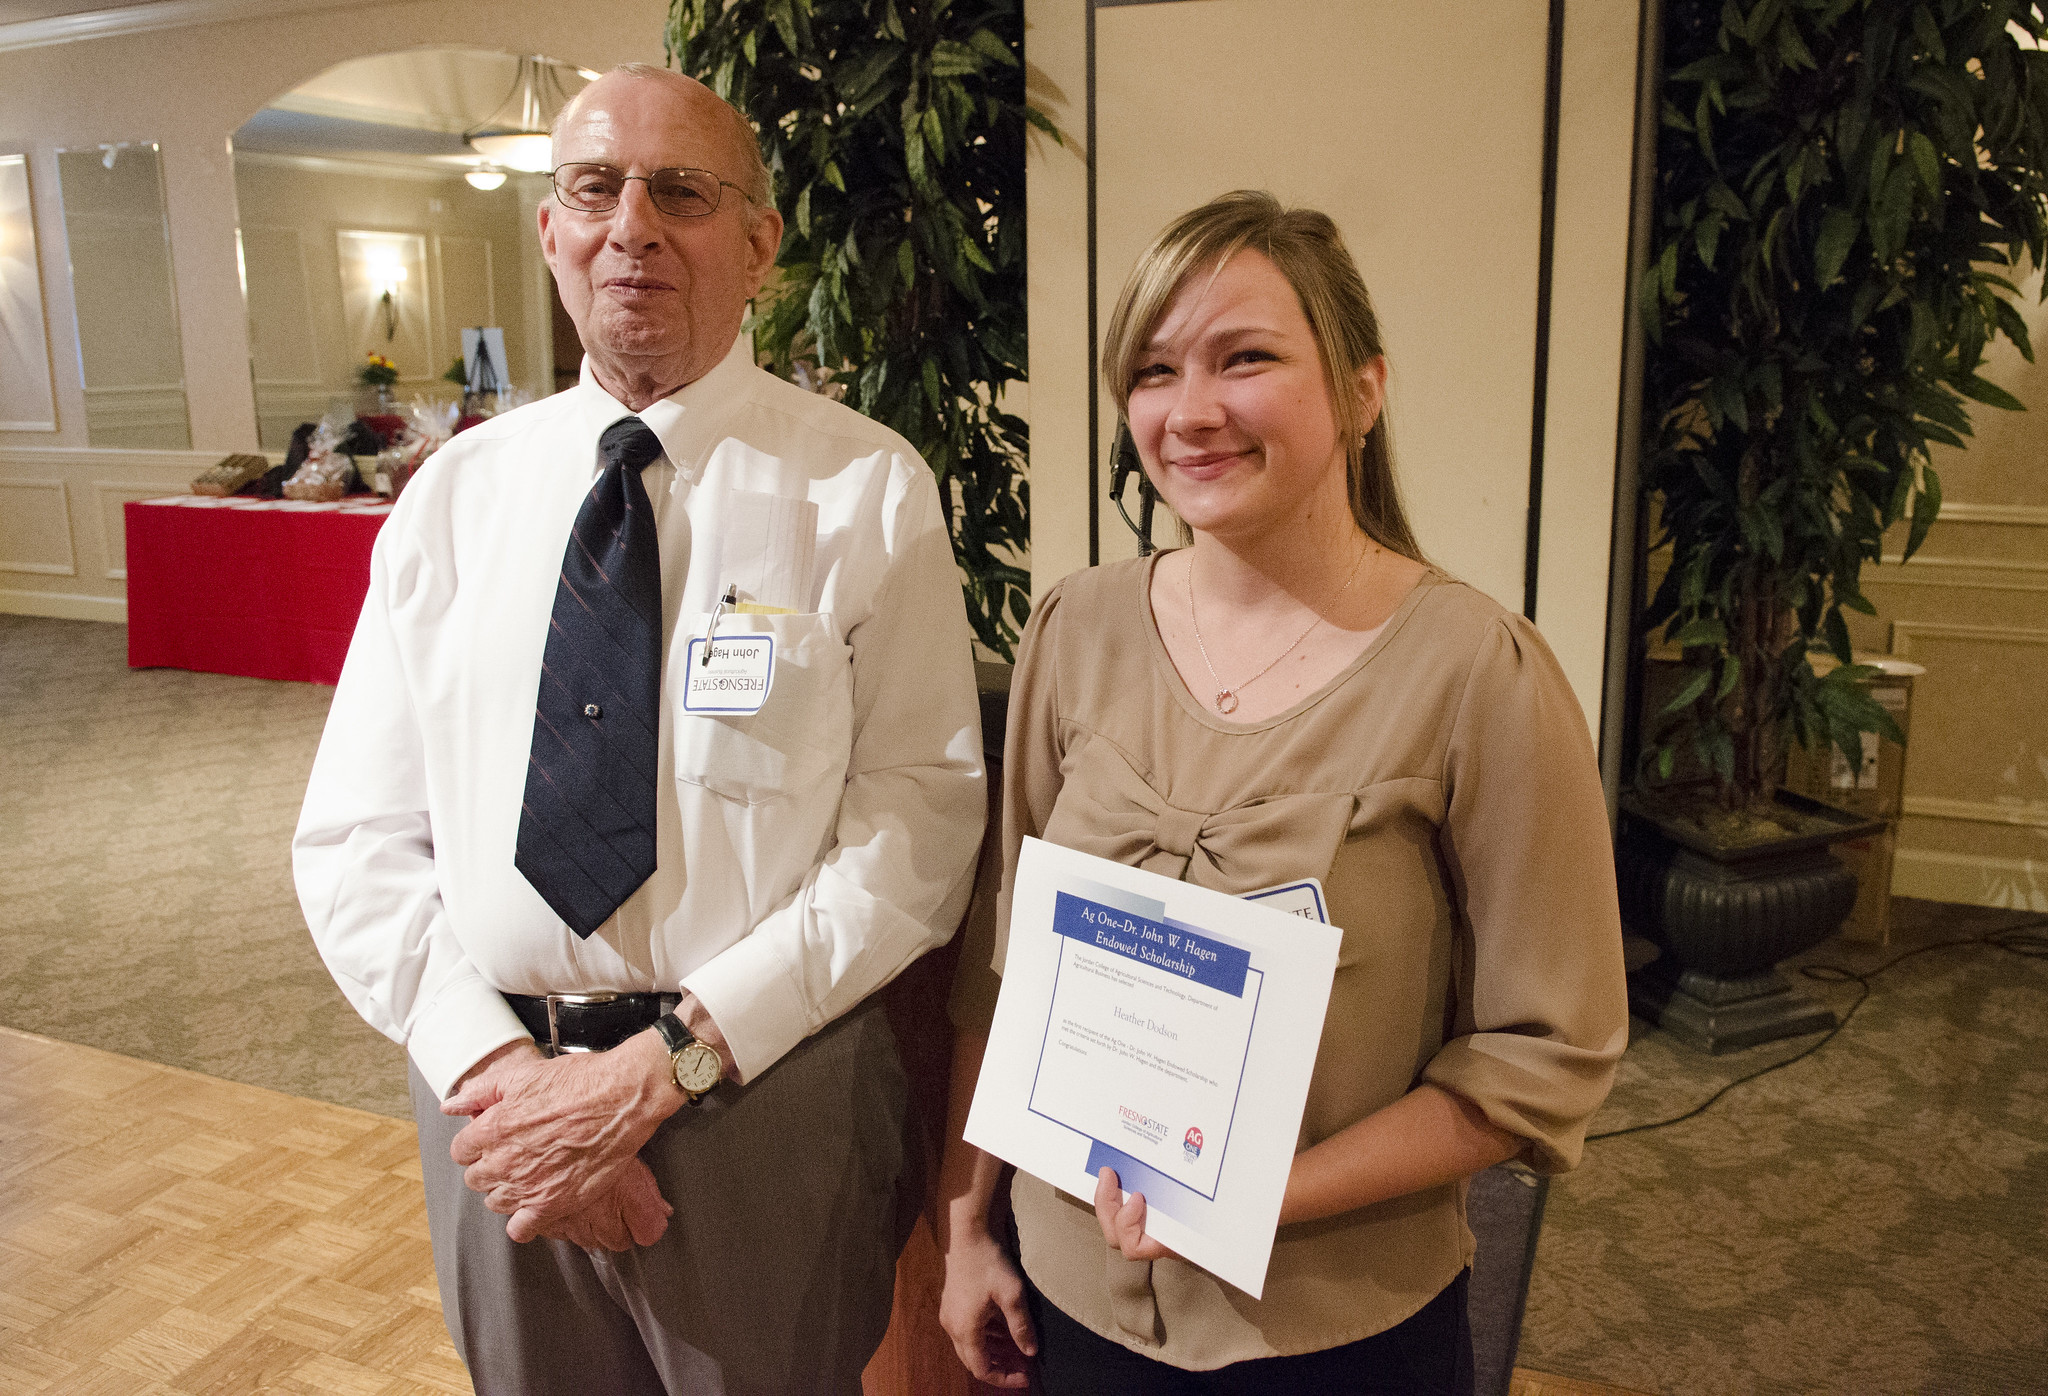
{"points": [[736, 678], [1303, 899]]}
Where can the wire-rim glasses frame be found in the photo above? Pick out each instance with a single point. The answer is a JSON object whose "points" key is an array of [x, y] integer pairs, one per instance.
{"points": [[679, 191]]}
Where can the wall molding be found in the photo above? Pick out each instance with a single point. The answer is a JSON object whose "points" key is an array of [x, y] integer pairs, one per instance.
{"points": [[152, 409], [2005, 574], [1971, 879], [125, 491], [58, 605], [146, 18], [1905, 631], [1975, 879], [2023, 515], [362, 165], [90, 480], [107, 458], [67, 568], [25, 304], [2029, 815]]}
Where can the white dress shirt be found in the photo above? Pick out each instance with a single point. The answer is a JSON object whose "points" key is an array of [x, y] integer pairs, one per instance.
{"points": [[806, 854]]}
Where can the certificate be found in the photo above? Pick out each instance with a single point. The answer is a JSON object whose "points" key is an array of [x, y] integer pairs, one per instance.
{"points": [[1163, 1030]]}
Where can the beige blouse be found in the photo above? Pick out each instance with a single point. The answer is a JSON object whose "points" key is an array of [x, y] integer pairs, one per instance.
{"points": [[1444, 789]]}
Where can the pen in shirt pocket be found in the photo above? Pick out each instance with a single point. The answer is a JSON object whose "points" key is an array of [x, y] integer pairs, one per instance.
{"points": [[731, 602]]}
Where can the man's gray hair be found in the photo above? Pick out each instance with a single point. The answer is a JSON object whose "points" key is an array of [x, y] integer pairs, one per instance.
{"points": [[753, 178]]}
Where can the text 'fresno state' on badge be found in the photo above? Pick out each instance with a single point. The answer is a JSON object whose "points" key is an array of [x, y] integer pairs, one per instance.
{"points": [[734, 677]]}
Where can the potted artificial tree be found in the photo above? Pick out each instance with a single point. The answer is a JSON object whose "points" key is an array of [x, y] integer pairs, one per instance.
{"points": [[1846, 192]]}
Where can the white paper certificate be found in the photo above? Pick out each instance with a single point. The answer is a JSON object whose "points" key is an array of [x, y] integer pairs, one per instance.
{"points": [[1163, 1030]]}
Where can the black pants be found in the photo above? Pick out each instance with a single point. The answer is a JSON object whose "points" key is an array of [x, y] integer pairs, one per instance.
{"points": [[1429, 1354]]}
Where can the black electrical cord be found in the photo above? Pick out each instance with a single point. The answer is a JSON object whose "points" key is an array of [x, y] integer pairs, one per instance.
{"points": [[2024, 940]]}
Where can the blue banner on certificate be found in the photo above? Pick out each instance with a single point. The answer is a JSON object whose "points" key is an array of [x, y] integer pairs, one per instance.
{"points": [[1163, 1030]]}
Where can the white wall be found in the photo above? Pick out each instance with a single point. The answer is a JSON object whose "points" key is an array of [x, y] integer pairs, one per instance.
{"points": [[1420, 130]]}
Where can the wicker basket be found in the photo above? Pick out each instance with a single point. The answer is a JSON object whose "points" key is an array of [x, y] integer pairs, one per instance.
{"points": [[230, 475]]}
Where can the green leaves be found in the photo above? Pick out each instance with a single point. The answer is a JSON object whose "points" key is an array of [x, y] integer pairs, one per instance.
{"points": [[990, 45], [1926, 507], [951, 60], [895, 131], [1838, 229], [1840, 709], [1843, 191], [1985, 391], [1925, 162], [1701, 630], [1694, 687]]}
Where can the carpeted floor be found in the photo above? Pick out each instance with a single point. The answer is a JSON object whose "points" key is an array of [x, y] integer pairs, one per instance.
{"points": [[1870, 1220], [146, 901], [1867, 1220]]}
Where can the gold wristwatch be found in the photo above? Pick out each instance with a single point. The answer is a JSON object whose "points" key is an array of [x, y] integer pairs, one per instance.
{"points": [[692, 1064]]}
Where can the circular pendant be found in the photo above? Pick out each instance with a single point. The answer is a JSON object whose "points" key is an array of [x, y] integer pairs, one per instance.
{"points": [[1226, 701]]}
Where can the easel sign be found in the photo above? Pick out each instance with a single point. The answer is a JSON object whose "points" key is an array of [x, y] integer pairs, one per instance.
{"points": [[483, 360]]}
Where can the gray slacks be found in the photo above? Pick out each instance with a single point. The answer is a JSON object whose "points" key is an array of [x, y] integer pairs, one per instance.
{"points": [[778, 1267]]}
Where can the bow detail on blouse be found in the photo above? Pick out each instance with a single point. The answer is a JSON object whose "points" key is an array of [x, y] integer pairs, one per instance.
{"points": [[1106, 808]]}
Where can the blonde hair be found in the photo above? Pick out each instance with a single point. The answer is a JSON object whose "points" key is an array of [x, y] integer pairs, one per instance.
{"points": [[1309, 251]]}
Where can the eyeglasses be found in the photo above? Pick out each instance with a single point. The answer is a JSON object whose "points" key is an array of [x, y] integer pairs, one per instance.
{"points": [[678, 193]]}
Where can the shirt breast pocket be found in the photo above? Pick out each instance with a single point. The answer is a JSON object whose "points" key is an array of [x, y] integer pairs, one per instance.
{"points": [[803, 734]]}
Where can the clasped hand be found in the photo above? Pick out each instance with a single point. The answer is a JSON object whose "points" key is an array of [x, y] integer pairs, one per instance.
{"points": [[553, 1146]]}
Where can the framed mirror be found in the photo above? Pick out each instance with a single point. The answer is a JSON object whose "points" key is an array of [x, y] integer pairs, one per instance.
{"points": [[27, 402], [369, 225], [120, 246]]}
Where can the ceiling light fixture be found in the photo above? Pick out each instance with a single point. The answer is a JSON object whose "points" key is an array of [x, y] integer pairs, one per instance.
{"points": [[485, 177], [516, 134]]}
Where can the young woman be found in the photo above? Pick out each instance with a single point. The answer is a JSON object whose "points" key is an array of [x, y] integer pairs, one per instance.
{"points": [[1298, 694]]}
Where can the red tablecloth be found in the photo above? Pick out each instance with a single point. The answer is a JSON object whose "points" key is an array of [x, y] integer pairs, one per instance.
{"points": [[266, 588]]}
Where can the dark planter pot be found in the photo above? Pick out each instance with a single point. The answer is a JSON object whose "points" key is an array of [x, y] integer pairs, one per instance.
{"points": [[1725, 918]]}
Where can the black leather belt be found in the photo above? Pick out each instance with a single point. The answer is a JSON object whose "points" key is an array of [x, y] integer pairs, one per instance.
{"points": [[588, 1022]]}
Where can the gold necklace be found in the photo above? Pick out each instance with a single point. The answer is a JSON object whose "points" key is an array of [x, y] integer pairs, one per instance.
{"points": [[1226, 698]]}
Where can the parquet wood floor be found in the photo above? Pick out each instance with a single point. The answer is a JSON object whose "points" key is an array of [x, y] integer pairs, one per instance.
{"points": [[164, 1233]]}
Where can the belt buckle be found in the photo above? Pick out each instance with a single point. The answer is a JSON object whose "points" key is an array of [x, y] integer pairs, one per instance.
{"points": [[554, 1001]]}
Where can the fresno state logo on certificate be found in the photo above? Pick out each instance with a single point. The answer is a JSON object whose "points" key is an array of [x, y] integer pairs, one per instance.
{"points": [[1191, 1143], [1139, 1123]]}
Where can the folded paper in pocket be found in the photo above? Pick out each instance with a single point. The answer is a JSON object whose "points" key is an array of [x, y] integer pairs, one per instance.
{"points": [[765, 547]]}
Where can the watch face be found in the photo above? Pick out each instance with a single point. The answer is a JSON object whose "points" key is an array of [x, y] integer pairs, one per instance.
{"points": [[697, 1068]]}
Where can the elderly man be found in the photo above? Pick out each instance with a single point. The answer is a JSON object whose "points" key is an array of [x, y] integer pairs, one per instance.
{"points": [[656, 752]]}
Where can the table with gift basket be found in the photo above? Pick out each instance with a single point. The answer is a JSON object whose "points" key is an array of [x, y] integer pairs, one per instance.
{"points": [[260, 570]]}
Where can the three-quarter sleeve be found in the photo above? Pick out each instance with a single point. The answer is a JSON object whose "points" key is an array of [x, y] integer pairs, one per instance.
{"points": [[1541, 1003]]}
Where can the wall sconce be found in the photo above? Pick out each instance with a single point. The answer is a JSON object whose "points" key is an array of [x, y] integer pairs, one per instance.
{"points": [[485, 177], [387, 275]]}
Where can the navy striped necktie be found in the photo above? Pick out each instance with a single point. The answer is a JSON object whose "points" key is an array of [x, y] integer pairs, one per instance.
{"points": [[586, 825]]}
